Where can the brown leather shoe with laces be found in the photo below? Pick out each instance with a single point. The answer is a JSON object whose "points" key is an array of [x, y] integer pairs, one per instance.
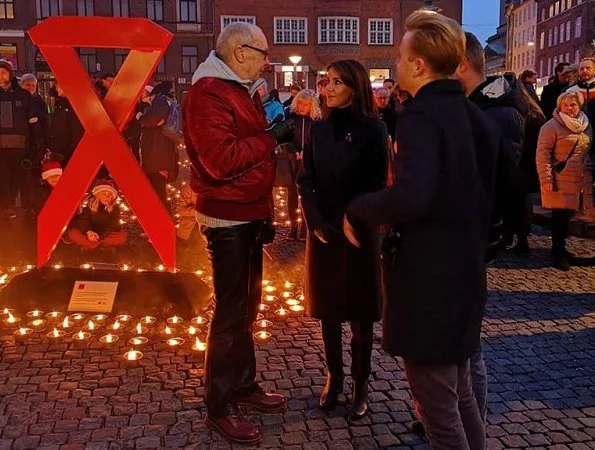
{"points": [[262, 401], [235, 428]]}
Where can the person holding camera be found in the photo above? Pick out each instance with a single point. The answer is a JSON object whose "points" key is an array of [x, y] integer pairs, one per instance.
{"points": [[564, 168]]}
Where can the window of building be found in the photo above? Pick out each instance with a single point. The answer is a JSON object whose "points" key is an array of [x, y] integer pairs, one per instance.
{"points": [[8, 51], [49, 8], [568, 27], [555, 35], [89, 58], [567, 59], [551, 14], [155, 10], [119, 57], [188, 9], [562, 28], [541, 74], [121, 8], [338, 30], [542, 40], [226, 20], [291, 30], [85, 8], [189, 58], [578, 27], [549, 38], [543, 14], [563, 5], [556, 8], [380, 32], [577, 56], [6, 9], [161, 66], [549, 66]]}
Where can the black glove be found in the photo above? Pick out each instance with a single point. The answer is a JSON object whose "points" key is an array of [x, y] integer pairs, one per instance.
{"points": [[325, 233], [282, 131], [268, 232]]}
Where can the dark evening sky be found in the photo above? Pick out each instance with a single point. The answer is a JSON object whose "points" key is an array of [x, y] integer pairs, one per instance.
{"points": [[481, 17]]}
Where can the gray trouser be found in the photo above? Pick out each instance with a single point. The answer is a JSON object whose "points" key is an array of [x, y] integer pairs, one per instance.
{"points": [[479, 380], [445, 403]]}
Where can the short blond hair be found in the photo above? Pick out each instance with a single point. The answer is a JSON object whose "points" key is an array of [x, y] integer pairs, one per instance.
{"points": [[307, 95], [574, 94], [437, 39]]}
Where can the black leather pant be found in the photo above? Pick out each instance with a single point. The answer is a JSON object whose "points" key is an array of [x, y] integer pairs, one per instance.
{"points": [[236, 259], [361, 349]]}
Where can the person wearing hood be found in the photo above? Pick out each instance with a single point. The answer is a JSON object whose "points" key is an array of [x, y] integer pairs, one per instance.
{"points": [[586, 86], [158, 153], [552, 91], [66, 130], [16, 117], [272, 106], [564, 167], [233, 159]]}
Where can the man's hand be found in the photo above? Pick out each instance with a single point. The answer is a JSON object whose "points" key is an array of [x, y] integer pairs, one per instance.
{"points": [[92, 236], [325, 233], [349, 232], [283, 131]]}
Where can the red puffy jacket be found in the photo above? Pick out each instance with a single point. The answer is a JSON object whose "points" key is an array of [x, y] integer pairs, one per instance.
{"points": [[231, 154]]}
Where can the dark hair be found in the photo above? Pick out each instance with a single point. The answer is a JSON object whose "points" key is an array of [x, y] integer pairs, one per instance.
{"points": [[274, 95], [295, 87], [534, 107], [388, 80], [527, 74], [474, 53], [560, 67], [165, 88], [354, 75]]}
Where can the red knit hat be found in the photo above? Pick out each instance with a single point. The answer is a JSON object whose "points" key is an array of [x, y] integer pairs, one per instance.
{"points": [[103, 184], [50, 168]]}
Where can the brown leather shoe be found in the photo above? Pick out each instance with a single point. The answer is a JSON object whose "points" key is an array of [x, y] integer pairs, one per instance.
{"points": [[235, 429], [263, 401]]}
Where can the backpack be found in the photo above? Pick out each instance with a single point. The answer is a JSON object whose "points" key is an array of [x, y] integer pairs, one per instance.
{"points": [[172, 128]]}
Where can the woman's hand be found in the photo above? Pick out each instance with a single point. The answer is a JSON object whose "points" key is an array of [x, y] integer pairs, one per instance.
{"points": [[92, 236]]}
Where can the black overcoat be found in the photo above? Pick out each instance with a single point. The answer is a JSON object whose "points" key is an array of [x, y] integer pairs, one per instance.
{"points": [[342, 281]]}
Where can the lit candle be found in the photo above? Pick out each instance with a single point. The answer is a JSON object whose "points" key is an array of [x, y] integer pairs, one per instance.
{"points": [[23, 331], [99, 317], [109, 338], [138, 340], [125, 267], [262, 335], [199, 273], [65, 323], [77, 317], [270, 298], [140, 329], [168, 331], [270, 289], [116, 325], [124, 317], [54, 315], [55, 333], [174, 342], [81, 336], [58, 266], [175, 320], [286, 294], [133, 355], [7, 311], [149, 320], [35, 313], [91, 325], [292, 302], [38, 323], [296, 308], [12, 319], [264, 323], [281, 312], [86, 266], [198, 320], [288, 285], [265, 282], [3, 278], [199, 346], [160, 267], [263, 307], [191, 331]]}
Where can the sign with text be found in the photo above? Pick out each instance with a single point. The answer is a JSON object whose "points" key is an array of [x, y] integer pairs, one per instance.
{"points": [[93, 296]]}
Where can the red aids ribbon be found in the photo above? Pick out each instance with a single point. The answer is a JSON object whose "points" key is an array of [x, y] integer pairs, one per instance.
{"points": [[103, 121]]}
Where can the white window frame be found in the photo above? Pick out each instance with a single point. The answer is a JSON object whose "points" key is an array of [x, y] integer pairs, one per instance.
{"points": [[336, 41], [381, 20], [284, 42], [568, 30], [236, 18], [578, 27], [48, 3], [542, 40]]}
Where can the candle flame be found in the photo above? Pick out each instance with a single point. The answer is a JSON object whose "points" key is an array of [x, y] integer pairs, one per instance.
{"points": [[65, 323], [5, 311], [132, 355], [22, 330], [175, 319], [282, 312], [116, 325], [109, 338], [56, 332], [167, 330], [77, 317], [200, 346], [80, 335], [191, 330], [139, 328], [147, 319], [54, 314], [11, 318], [91, 325], [262, 334], [263, 324], [136, 341], [172, 341], [35, 313], [37, 322]]}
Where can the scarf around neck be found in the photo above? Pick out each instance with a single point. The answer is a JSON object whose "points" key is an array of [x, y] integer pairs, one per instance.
{"points": [[577, 125]]}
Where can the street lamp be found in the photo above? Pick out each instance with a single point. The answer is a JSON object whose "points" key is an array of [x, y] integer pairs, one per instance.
{"points": [[530, 43], [295, 60]]}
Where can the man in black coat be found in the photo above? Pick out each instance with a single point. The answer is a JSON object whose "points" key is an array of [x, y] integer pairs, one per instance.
{"points": [[551, 92], [439, 207]]}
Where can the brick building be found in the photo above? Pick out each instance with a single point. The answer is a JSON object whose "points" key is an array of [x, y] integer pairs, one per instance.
{"points": [[191, 21], [322, 31], [522, 25], [565, 33]]}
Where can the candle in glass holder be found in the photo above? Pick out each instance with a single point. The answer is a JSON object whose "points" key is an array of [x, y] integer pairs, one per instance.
{"points": [[148, 320], [292, 302], [286, 294], [140, 329], [109, 338], [101, 318], [138, 340], [198, 320], [168, 331], [35, 314], [174, 342], [23, 332], [281, 312], [77, 317], [175, 320], [264, 323], [262, 335], [198, 345], [133, 355], [296, 308], [116, 326], [54, 315], [263, 307], [269, 289], [91, 325], [191, 330], [55, 333], [270, 298], [81, 336], [124, 317], [7, 311], [65, 323], [288, 285], [38, 323], [12, 320]]}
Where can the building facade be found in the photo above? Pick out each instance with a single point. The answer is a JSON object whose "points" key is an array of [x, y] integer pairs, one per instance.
{"points": [[318, 32], [191, 22], [495, 50], [522, 29], [565, 33]]}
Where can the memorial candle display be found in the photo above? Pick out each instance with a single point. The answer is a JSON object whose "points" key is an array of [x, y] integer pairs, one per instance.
{"points": [[198, 345], [55, 334], [109, 338], [35, 314], [81, 336], [175, 320], [133, 355], [174, 342], [138, 340], [148, 320], [54, 315], [23, 332], [262, 335]]}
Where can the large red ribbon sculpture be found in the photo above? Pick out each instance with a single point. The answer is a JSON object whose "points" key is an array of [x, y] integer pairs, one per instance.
{"points": [[103, 121]]}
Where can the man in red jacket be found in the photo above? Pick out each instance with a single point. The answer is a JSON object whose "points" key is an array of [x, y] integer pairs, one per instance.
{"points": [[233, 163]]}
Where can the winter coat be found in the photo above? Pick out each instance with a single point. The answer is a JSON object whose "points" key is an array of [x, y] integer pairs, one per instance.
{"points": [[66, 130], [16, 114], [573, 187], [39, 129], [273, 109], [434, 276], [549, 97], [231, 153], [288, 163], [533, 123], [102, 222], [342, 281], [133, 130], [157, 152], [389, 116]]}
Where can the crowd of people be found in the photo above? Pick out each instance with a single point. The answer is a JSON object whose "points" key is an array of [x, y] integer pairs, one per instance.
{"points": [[408, 191]]}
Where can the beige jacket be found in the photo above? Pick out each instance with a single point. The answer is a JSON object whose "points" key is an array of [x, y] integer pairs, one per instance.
{"points": [[573, 187]]}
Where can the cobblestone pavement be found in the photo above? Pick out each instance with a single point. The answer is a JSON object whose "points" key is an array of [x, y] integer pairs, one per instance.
{"points": [[539, 347]]}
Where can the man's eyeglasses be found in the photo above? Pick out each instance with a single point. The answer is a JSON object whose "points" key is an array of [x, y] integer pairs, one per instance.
{"points": [[265, 53]]}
